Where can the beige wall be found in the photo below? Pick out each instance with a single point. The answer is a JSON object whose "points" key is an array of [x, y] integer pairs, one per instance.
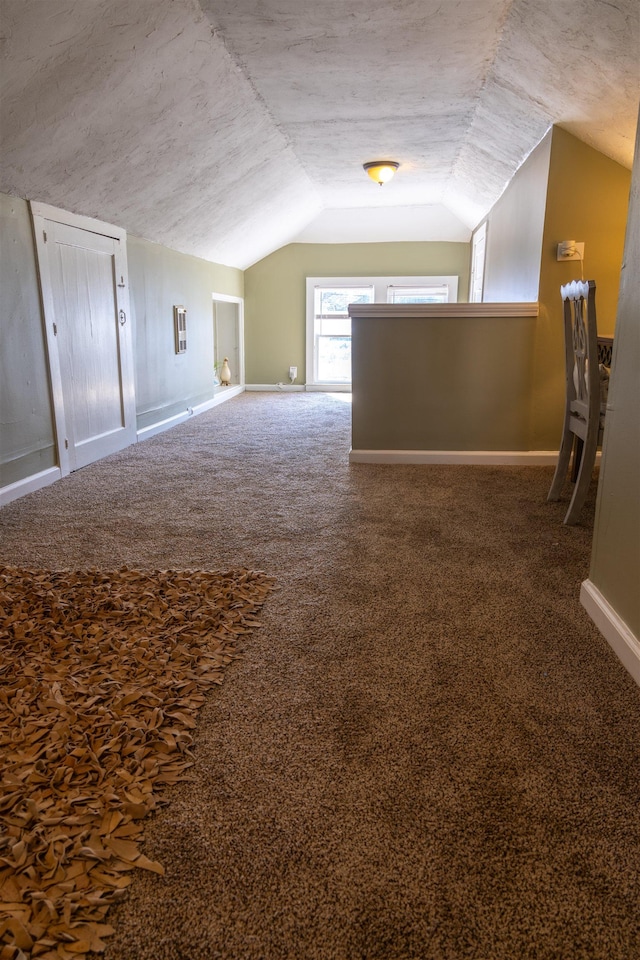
{"points": [[515, 227], [615, 561], [587, 200], [275, 292], [565, 190]]}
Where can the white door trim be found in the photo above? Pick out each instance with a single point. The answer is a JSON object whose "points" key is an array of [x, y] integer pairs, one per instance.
{"points": [[48, 313], [478, 262], [47, 212], [228, 298]]}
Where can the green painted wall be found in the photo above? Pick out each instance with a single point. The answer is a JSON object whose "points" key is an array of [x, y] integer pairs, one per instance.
{"points": [[615, 561], [587, 200], [27, 437], [167, 383], [464, 383], [275, 292]]}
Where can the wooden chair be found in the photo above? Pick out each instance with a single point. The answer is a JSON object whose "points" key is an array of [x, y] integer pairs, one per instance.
{"points": [[584, 409]]}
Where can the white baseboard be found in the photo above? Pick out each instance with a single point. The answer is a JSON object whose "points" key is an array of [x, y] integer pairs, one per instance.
{"points": [[299, 387], [276, 387], [623, 642], [38, 480], [328, 387], [528, 458], [162, 425], [226, 393], [29, 485]]}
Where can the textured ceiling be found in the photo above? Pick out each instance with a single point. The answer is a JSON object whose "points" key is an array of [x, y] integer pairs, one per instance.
{"points": [[226, 128]]}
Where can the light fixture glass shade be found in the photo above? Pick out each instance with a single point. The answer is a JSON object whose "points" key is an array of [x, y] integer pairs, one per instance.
{"points": [[381, 170]]}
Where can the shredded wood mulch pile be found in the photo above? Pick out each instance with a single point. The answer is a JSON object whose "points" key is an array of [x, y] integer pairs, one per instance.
{"points": [[101, 675]]}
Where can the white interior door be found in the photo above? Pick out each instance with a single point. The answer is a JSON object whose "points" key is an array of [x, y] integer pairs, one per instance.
{"points": [[88, 334]]}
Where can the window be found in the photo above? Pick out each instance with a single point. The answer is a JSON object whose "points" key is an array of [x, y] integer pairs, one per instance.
{"points": [[332, 330], [329, 324], [426, 293]]}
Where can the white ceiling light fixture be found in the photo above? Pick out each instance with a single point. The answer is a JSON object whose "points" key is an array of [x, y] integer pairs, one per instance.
{"points": [[381, 170]]}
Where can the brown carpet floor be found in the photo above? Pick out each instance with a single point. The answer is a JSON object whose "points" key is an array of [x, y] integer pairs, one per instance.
{"points": [[428, 752]]}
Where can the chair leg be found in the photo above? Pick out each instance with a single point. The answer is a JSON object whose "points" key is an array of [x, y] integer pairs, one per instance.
{"points": [[577, 458], [564, 457], [585, 472]]}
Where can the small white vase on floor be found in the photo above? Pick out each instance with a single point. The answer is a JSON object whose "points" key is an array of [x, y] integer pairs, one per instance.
{"points": [[225, 373]]}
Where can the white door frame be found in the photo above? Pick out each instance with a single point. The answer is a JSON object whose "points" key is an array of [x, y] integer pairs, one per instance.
{"points": [[478, 261], [227, 298], [41, 213]]}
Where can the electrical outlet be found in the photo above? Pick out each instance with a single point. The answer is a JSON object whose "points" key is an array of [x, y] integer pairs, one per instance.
{"points": [[293, 373], [570, 251]]}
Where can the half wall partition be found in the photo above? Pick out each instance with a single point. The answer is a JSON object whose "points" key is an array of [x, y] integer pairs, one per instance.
{"points": [[443, 383]]}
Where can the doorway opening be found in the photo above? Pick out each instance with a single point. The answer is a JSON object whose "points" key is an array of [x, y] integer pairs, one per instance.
{"points": [[228, 340]]}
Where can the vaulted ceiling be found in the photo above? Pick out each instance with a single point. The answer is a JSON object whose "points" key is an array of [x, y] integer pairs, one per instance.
{"points": [[227, 128]]}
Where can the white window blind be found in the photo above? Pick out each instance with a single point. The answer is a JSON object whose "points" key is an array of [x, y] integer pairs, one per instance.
{"points": [[431, 293]]}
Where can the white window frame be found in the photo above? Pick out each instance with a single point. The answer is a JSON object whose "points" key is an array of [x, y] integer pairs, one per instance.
{"points": [[381, 286]]}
